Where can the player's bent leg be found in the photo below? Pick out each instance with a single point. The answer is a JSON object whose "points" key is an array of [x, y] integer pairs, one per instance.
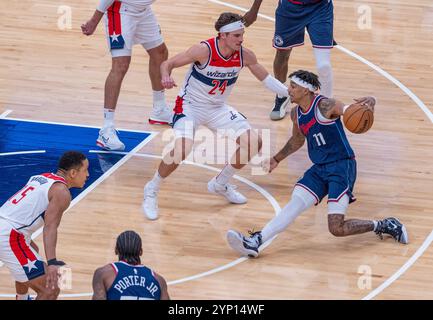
{"points": [[108, 138], [170, 162], [113, 83], [249, 246], [161, 113], [281, 67], [249, 144], [39, 286], [340, 227]]}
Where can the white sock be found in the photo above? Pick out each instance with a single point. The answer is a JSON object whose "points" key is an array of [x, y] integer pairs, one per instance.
{"points": [[323, 64], [279, 95], [301, 201], [157, 179], [226, 173], [22, 296], [108, 117], [159, 98], [375, 225]]}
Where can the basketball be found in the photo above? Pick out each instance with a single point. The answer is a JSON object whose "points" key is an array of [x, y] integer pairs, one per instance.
{"points": [[358, 118]]}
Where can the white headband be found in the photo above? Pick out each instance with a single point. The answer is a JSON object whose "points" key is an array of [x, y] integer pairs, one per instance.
{"points": [[303, 84], [232, 26]]}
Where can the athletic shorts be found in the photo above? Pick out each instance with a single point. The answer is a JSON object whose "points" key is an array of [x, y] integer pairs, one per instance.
{"points": [[23, 262], [126, 26], [291, 20]]}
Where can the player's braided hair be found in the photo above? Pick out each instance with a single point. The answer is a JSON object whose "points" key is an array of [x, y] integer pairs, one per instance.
{"points": [[308, 77], [71, 160], [128, 247], [226, 18]]}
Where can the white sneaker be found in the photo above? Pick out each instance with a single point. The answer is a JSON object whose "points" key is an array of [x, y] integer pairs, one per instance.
{"points": [[245, 246], [280, 108], [150, 202], [228, 191], [161, 115], [109, 140]]}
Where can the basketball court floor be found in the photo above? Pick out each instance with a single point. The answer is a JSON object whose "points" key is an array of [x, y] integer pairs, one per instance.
{"points": [[51, 94]]}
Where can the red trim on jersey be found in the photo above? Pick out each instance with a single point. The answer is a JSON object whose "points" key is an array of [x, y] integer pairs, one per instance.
{"points": [[55, 177], [217, 59], [114, 22], [178, 105], [114, 268], [20, 248], [309, 108]]}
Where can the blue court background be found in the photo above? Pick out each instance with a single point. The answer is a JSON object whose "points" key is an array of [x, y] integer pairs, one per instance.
{"points": [[55, 139]]}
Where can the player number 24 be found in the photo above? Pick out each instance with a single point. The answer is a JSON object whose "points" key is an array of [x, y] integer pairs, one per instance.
{"points": [[221, 86]]}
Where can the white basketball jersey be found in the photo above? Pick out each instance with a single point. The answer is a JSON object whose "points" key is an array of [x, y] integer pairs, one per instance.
{"points": [[210, 84], [25, 210]]}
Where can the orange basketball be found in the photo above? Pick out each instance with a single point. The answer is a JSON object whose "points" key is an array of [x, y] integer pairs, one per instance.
{"points": [[358, 118]]}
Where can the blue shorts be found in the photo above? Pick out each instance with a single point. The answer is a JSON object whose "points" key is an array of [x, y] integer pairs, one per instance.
{"points": [[292, 19], [334, 179]]}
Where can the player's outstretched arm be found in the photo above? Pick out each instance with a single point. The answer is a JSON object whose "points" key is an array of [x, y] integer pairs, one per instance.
{"points": [[331, 108], [295, 142], [251, 16], [197, 53], [250, 61], [59, 199]]}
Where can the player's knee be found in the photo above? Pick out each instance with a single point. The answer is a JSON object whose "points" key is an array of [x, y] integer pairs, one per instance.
{"points": [[282, 55], [335, 227], [160, 52], [120, 67]]}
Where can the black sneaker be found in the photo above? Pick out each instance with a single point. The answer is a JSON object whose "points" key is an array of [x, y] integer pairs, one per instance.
{"points": [[280, 108], [246, 246], [394, 228]]}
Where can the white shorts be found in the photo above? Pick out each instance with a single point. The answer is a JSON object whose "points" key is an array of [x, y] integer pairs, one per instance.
{"points": [[126, 26], [224, 120], [23, 262]]}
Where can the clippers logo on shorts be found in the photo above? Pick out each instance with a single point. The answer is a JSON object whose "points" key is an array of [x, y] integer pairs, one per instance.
{"points": [[212, 82], [327, 141], [32, 267], [115, 26]]}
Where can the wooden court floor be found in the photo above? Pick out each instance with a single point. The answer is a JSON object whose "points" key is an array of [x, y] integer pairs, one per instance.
{"points": [[49, 74]]}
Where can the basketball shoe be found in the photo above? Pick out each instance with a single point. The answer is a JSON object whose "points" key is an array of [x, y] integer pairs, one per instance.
{"points": [[280, 108], [394, 228], [109, 140], [228, 191], [150, 202], [161, 114], [246, 246]]}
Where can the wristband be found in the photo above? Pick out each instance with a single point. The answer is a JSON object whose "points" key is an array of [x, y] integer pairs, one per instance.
{"points": [[275, 159], [55, 262]]}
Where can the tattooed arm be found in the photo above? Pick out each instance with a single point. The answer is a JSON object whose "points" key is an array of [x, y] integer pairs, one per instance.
{"points": [[99, 287], [331, 108], [295, 142]]}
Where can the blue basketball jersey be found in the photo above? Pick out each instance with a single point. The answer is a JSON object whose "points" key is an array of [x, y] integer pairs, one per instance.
{"points": [[326, 140], [133, 283]]}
